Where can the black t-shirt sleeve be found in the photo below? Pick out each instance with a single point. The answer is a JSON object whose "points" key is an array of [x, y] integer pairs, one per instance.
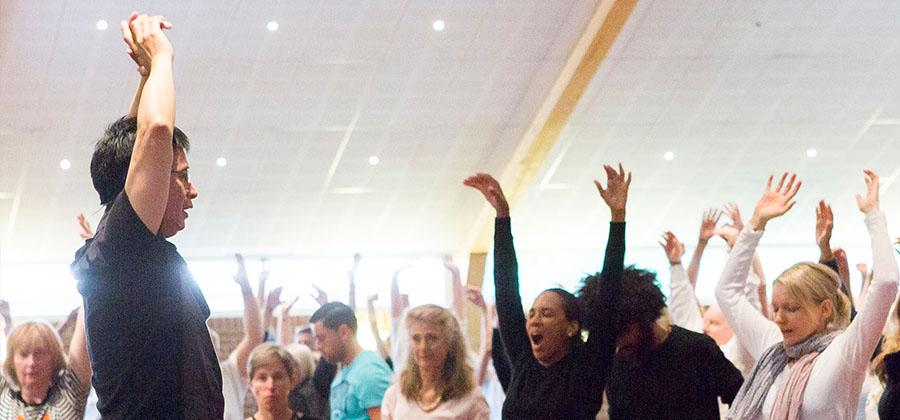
{"points": [[122, 241]]}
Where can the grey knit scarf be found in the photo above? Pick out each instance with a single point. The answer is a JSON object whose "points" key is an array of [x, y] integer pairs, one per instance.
{"points": [[749, 400]]}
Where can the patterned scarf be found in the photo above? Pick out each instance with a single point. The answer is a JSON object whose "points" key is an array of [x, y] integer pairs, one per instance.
{"points": [[749, 400]]}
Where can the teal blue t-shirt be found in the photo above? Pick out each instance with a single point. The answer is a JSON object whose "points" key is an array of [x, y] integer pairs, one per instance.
{"points": [[358, 386]]}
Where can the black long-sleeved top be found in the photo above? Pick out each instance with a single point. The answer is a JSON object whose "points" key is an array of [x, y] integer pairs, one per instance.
{"points": [[679, 380], [889, 405], [573, 387]]}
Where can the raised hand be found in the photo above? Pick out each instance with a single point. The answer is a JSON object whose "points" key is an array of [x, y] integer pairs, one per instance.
{"points": [[241, 276], [490, 188], [673, 248], [372, 298], [145, 38], [734, 213], [321, 297], [138, 55], [616, 192], [274, 299], [286, 308], [775, 201], [447, 260], [869, 203], [708, 224], [86, 231], [4, 309], [824, 227], [863, 269], [474, 295]]}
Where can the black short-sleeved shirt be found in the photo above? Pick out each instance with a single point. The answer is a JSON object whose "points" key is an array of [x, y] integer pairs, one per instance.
{"points": [[680, 379], [145, 322]]}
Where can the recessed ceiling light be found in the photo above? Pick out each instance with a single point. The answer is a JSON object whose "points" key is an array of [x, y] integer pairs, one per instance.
{"points": [[102, 25], [221, 162], [668, 156], [438, 25], [272, 26], [811, 153], [373, 160], [65, 164]]}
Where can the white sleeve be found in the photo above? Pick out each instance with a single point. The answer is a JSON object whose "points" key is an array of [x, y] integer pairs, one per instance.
{"points": [[388, 403], [755, 332], [683, 307], [858, 341]]}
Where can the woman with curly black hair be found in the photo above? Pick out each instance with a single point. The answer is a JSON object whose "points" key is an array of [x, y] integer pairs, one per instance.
{"points": [[555, 375], [663, 371]]}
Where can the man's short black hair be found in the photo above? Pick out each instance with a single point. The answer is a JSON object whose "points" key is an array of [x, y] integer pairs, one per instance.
{"points": [[112, 156], [333, 315]]}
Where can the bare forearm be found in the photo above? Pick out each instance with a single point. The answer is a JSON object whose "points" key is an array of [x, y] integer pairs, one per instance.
{"points": [[694, 266], [458, 304], [135, 103], [253, 327]]}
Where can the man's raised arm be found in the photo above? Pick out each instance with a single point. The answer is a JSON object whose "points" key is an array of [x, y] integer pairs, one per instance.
{"points": [[147, 183]]}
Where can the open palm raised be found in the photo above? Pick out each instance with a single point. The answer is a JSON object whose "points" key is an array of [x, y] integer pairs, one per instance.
{"points": [[775, 201]]}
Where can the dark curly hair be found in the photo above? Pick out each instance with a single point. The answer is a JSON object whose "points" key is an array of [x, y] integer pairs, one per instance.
{"points": [[641, 304]]}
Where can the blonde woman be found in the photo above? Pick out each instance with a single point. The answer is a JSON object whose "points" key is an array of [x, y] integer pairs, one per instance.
{"points": [[810, 363], [273, 374], [436, 383], [39, 381]]}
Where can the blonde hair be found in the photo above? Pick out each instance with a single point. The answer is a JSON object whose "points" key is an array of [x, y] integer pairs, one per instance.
{"points": [[270, 354], [306, 360], [812, 284], [29, 336], [457, 379]]}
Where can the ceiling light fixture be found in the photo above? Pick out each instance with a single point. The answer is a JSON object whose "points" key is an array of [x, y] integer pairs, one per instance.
{"points": [[811, 153], [65, 164], [272, 26], [668, 156], [221, 162], [102, 25], [373, 160], [438, 25]]}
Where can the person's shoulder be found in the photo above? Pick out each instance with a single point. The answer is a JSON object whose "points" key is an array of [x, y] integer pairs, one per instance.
{"points": [[692, 341]]}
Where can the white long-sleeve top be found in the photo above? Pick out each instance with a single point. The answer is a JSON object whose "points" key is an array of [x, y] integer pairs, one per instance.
{"points": [[685, 312], [833, 389]]}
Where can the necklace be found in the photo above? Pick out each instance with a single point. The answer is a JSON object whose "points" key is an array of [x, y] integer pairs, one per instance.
{"points": [[429, 407]]}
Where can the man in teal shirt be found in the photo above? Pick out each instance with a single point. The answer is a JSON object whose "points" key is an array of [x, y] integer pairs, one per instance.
{"points": [[359, 386]]}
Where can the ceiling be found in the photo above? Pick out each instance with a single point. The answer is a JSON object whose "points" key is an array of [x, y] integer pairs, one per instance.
{"points": [[736, 90]]}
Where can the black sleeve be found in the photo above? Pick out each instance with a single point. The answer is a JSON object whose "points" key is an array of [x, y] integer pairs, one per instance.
{"points": [[510, 313], [726, 378], [602, 295], [502, 365]]}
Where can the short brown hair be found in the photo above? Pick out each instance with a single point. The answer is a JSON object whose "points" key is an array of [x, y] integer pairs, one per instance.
{"points": [[269, 354], [457, 377], [31, 335]]}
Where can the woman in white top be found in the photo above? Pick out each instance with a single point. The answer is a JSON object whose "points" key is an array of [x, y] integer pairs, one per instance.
{"points": [[436, 382], [810, 364]]}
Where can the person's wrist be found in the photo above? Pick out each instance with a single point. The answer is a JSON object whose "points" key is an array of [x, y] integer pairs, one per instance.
{"points": [[673, 263], [757, 223], [618, 215]]}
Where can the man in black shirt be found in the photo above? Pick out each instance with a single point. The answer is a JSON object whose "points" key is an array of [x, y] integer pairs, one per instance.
{"points": [[145, 316], [662, 371]]}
